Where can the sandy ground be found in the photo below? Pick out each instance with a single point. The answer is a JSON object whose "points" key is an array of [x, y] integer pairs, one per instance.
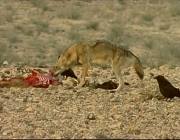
{"points": [[66, 112]]}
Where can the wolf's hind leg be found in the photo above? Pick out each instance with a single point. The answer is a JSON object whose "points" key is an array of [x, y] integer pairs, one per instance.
{"points": [[121, 82]]}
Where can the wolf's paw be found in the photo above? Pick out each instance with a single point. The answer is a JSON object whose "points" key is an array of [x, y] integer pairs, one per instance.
{"points": [[83, 84], [78, 86], [86, 83]]}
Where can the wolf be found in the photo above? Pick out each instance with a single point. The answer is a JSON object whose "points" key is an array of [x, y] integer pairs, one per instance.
{"points": [[101, 52]]}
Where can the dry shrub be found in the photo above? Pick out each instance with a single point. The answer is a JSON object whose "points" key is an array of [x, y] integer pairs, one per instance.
{"points": [[72, 12], [40, 4], [175, 8], [147, 17], [13, 38], [7, 54], [41, 26], [164, 27], [73, 33], [115, 34], [93, 25], [160, 55]]}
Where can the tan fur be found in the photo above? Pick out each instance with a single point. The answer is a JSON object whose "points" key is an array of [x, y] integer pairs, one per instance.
{"points": [[100, 52]]}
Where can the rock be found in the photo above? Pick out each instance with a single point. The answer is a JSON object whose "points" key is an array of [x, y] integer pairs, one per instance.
{"points": [[115, 99], [1, 107], [177, 68], [4, 133], [117, 117], [5, 63], [19, 99], [114, 109], [75, 110], [86, 121], [28, 109], [7, 72], [7, 132], [164, 67], [91, 117], [6, 96]]}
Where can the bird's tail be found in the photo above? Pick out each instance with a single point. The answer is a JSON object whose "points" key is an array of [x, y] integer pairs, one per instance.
{"points": [[177, 94]]}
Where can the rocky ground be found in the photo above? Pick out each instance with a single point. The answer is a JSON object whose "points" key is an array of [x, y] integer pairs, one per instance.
{"points": [[33, 33], [65, 112]]}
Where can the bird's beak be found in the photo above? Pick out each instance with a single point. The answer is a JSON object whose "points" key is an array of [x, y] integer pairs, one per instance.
{"points": [[155, 77]]}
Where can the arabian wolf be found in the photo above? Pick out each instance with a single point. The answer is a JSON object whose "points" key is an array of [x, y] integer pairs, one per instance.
{"points": [[86, 53]]}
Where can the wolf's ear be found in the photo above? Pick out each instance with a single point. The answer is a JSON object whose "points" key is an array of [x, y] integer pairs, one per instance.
{"points": [[59, 56]]}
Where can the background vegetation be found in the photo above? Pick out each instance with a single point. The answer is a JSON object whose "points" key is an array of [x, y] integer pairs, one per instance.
{"points": [[37, 31]]}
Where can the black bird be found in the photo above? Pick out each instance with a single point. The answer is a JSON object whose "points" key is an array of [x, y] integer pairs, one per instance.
{"points": [[166, 88], [69, 73]]}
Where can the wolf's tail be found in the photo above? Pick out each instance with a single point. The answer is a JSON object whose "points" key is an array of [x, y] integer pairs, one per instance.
{"points": [[138, 67]]}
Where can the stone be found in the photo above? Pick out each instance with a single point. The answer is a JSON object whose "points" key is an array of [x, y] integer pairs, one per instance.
{"points": [[28, 109], [5, 63], [91, 117]]}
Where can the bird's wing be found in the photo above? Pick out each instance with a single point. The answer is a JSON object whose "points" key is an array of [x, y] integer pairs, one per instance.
{"points": [[172, 90]]}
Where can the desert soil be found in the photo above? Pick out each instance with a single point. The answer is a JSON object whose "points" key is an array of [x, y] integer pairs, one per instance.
{"points": [[34, 33], [138, 111]]}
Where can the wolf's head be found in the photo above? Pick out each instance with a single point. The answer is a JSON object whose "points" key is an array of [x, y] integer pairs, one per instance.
{"points": [[66, 60], [60, 65]]}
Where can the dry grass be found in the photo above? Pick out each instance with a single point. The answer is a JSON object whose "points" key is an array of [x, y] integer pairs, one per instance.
{"points": [[174, 9], [145, 24], [93, 25]]}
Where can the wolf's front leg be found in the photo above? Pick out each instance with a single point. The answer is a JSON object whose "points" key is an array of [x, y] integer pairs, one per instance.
{"points": [[84, 73]]}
